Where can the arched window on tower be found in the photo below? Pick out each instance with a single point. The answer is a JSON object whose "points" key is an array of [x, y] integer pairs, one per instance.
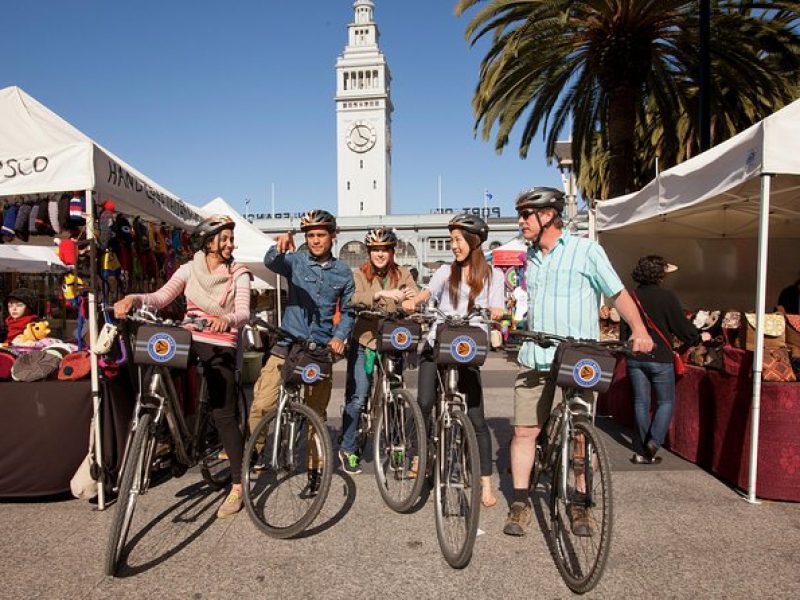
{"points": [[348, 186], [361, 164], [345, 80], [375, 79]]}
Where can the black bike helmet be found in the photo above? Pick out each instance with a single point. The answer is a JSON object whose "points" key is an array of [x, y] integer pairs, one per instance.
{"points": [[540, 197], [471, 223], [208, 228], [318, 218], [380, 236]]}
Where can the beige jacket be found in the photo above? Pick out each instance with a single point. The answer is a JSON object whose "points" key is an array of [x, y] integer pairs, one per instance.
{"points": [[366, 329]]}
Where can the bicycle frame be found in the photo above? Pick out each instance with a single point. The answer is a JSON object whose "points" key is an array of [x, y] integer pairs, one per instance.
{"points": [[287, 394], [572, 404]]}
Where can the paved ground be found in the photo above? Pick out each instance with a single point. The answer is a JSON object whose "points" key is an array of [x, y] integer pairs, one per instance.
{"points": [[679, 533]]}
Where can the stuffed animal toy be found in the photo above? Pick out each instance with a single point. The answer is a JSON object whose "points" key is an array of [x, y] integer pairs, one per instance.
{"points": [[33, 333]]}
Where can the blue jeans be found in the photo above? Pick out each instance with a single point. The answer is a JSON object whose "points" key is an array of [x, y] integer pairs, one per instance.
{"points": [[646, 375], [355, 396]]}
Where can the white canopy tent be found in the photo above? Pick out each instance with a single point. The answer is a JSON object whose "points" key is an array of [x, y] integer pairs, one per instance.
{"points": [[29, 259], [42, 153], [720, 216]]}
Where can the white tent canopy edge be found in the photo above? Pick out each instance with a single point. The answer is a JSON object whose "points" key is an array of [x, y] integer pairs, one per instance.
{"points": [[714, 195]]}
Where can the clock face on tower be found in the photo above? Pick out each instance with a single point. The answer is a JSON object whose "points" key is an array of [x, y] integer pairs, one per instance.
{"points": [[361, 136]]}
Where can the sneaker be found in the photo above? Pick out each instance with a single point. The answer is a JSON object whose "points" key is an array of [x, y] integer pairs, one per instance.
{"points": [[638, 459], [519, 517], [581, 519], [350, 462], [232, 505]]}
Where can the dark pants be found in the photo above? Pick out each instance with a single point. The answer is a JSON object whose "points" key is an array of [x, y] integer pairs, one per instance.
{"points": [[219, 368], [469, 384], [660, 377]]}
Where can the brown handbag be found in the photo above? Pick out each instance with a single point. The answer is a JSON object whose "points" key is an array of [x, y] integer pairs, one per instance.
{"points": [[774, 331], [793, 334], [777, 366]]}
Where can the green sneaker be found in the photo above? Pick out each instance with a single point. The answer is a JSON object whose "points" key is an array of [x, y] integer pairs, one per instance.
{"points": [[350, 462]]}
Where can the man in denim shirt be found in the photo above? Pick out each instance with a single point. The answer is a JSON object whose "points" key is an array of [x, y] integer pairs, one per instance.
{"points": [[317, 281]]}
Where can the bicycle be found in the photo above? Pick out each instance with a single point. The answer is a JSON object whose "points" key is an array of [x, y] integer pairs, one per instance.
{"points": [[392, 416], [453, 443], [291, 447], [159, 421], [572, 462]]}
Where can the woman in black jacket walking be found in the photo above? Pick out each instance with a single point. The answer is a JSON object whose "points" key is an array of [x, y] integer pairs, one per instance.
{"points": [[662, 314]]}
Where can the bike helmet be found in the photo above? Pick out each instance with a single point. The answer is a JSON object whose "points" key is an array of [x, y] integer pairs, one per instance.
{"points": [[210, 227], [540, 197], [380, 236], [318, 218], [470, 223]]}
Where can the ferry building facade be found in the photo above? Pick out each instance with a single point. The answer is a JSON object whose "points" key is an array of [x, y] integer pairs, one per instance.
{"points": [[364, 161]]}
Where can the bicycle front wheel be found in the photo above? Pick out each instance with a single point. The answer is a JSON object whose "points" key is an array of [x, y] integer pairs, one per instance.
{"points": [[399, 438], [457, 489], [287, 470], [136, 466], [581, 509]]}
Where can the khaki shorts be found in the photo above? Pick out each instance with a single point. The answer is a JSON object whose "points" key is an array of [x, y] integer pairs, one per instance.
{"points": [[533, 398]]}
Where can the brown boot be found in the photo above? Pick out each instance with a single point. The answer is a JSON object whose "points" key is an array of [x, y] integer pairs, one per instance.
{"points": [[519, 517]]}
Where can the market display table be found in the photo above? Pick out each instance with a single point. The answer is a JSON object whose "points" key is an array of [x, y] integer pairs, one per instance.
{"points": [[44, 433], [711, 424]]}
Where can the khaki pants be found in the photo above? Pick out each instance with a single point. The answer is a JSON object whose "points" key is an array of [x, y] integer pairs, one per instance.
{"points": [[267, 388]]}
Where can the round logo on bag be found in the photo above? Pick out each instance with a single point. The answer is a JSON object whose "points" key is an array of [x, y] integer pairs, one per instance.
{"points": [[401, 338], [161, 347], [311, 373], [586, 372], [463, 348]]}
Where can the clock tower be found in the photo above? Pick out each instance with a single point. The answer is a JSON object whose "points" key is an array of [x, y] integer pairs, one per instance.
{"points": [[363, 120]]}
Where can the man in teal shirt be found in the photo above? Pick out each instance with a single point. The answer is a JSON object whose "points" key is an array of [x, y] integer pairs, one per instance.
{"points": [[566, 275]]}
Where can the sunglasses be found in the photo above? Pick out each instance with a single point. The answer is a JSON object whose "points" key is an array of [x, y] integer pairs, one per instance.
{"points": [[526, 212]]}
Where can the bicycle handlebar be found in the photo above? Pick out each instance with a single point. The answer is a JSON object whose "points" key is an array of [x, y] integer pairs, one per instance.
{"points": [[545, 340], [282, 334]]}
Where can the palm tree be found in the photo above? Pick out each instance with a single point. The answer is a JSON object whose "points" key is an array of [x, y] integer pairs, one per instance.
{"points": [[623, 73]]}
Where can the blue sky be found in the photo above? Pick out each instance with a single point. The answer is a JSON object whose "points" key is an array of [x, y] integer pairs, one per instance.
{"points": [[213, 98]]}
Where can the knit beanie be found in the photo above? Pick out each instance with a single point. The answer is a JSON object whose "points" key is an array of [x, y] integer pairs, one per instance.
{"points": [[32, 218], [76, 208], [52, 213], [9, 220], [21, 226], [43, 225]]}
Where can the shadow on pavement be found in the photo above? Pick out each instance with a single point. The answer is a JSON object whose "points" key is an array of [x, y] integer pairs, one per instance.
{"points": [[198, 504], [330, 516]]}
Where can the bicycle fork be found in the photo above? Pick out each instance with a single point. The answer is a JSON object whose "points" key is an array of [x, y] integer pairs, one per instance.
{"points": [[280, 417]]}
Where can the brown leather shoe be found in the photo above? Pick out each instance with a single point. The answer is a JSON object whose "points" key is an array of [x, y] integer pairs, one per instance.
{"points": [[519, 517], [581, 519]]}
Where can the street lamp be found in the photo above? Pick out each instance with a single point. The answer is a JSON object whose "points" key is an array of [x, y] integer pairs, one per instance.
{"points": [[563, 154]]}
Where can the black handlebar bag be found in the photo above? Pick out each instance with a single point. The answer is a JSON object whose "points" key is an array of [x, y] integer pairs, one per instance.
{"points": [[304, 366], [399, 335], [581, 366], [460, 346], [162, 346]]}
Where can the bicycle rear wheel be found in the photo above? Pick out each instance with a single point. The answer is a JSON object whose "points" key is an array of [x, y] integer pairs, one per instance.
{"points": [[581, 509], [136, 466], [399, 438], [287, 495], [457, 489]]}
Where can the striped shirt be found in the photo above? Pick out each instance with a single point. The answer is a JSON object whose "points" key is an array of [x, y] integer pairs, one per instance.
{"points": [[564, 288], [175, 287]]}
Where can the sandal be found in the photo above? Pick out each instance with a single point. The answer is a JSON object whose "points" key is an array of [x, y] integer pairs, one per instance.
{"points": [[488, 499], [412, 472]]}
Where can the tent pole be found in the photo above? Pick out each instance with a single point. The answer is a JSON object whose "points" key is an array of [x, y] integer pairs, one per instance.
{"points": [[98, 438], [758, 358], [278, 299]]}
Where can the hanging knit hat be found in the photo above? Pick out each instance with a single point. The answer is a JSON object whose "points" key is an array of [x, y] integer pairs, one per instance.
{"points": [[32, 218], [21, 226], [43, 225], [52, 213], [76, 208], [9, 220], [108, 230]]}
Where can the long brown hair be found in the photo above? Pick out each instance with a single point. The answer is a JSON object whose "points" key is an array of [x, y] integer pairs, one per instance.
{"points": [[479, 271], [392, 270]]}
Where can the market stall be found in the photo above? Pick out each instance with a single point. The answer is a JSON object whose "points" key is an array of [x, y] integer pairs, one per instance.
{"points": [[42, 158], [730, 217]]}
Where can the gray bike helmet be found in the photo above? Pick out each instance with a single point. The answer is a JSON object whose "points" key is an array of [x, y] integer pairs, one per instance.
{"points": [[208, 228], [318, 218], [471, 223], [540, 197], [380, 236]]}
